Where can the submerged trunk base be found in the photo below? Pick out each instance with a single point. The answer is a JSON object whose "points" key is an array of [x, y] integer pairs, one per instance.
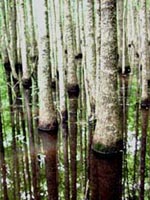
{"points": [[49, 140], [107, 169]]}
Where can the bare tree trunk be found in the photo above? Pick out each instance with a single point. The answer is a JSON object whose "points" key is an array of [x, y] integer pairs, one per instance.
{"points": [[48, 125], [107, 140], [144, 95], [62, 96], [73, 92]]}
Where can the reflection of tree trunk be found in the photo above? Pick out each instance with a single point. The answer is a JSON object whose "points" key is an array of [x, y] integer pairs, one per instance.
{"points": [[65, 150], [145, 114], [16, 104], [108, 177], [73, 104], [93, 177], [12, 118], [135, 162], [23, 125], [49, 140], [2, 159], [28, 105], [8, 80], [18, 168]]}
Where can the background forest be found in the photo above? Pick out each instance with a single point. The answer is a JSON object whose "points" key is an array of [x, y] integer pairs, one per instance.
{"points": [[74, 99]]}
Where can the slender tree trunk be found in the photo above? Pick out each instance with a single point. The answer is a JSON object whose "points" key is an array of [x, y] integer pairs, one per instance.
{"points": [[2, 159], [62, 96], [73, 92], [90, 51], [145, 97], [135, 163]]}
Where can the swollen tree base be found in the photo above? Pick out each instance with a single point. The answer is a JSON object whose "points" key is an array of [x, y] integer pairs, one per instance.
{"points": [[106, 175]]}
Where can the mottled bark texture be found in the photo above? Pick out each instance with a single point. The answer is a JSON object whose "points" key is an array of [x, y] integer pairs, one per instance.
{"points": [[144, 49], [107, 140], [90, 51], [98, 44], [23, 42], [48, 125], [108, 124]]}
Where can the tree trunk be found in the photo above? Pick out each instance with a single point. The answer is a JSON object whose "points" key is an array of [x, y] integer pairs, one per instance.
{"points": [[73, 92], [2, 159], [48, 125], [107, 140], [144, 95]]}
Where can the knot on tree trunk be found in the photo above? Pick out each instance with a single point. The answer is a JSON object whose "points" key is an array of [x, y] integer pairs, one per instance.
{"points": [[53, 84], [145, 104], [18, 68], [73, 90], [7, 67], [126, 71], [64, 117], [27, 83]]}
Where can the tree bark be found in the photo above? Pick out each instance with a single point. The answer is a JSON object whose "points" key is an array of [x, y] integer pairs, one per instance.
{"points": [[107, 140], [73, 92], [48, 125]]}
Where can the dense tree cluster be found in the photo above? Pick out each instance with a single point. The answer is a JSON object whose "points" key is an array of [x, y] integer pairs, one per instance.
{"points": [[74, 99]]}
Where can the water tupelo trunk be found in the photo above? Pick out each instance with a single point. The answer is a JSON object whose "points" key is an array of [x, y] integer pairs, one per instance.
{"points": [[107, 143]]}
